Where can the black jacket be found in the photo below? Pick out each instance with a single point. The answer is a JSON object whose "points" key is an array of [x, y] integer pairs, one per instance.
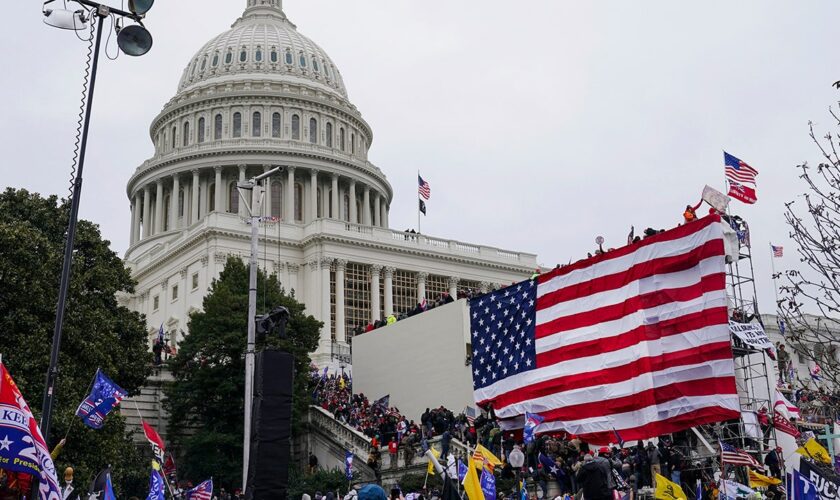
{"points": [[594, 479]]}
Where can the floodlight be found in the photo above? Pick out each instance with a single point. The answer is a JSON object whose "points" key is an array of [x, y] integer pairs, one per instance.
{"points": [[66, 19], [140, 7], [134, 40]]}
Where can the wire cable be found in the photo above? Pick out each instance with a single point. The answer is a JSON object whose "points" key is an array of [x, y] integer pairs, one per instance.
{"points": [[82, 108]]}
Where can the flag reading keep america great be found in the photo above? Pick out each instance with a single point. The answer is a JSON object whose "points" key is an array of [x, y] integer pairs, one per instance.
{"points": [[635, 341]]}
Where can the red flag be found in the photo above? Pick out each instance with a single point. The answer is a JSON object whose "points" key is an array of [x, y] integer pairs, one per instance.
{"points": [[742, 192], [154, 439], [782, 424], [169, 469]]}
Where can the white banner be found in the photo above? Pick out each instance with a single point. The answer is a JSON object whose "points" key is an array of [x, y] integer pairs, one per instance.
{"points": [[752, 334]]}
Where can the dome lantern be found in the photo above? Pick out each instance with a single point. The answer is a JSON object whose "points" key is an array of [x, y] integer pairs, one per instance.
{"points": [[264, 7]]}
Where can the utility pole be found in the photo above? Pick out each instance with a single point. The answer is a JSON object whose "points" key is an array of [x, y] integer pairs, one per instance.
{"points": [[256, 188]]}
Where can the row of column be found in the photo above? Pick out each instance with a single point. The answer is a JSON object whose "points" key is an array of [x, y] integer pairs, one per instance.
{"points": [[148, 212], [377, 272]]}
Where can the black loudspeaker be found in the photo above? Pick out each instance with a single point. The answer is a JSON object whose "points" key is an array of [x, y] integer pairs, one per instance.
{"points": [[271, 426]]}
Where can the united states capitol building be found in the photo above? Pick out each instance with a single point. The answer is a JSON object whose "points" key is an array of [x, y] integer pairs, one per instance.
{"points": [[255, 97]]}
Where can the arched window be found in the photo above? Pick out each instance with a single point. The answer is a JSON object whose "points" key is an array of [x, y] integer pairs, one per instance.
{"points": [[315, 66], [346, 207], [237, 124], [276, 199], [319, 208], [215, 59], [217, 127], [329, 135], [288, 56], [186, 131], [233, 199], [298, 202], [274, 56], [229, 57], [181, 202], [313, 130], [211, 202], [276, 124], [201, 130], [174, 139], [258, 55], [302, 60], [353, 143], [256, 128], [195, 67], [341, 138], [243, 55], [166, 205], [204, 63], [327, 69], [296, 127]]}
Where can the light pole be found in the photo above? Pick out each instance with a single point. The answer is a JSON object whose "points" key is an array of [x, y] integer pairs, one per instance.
{"points": [[256, 188], [132, 40]]}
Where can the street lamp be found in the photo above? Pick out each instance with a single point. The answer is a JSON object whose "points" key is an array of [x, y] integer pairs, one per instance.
{"points": [[133, 40]]}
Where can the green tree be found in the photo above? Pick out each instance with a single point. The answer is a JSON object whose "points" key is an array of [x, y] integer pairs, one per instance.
{"points": [[97, 332], [206, 399]]}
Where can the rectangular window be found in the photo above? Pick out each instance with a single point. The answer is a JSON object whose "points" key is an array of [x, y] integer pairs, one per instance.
{"points": [[405, 291], [195, 281], [436, 286], [175, 292], [156, 303], [357, 296]]}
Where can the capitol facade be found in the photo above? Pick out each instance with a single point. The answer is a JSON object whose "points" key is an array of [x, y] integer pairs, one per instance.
{"points": [[258, 96]]}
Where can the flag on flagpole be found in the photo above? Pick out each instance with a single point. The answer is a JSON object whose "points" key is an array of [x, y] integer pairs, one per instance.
{"points": [[635, 340], [104, 397], [618, 438], [778, 251], [160, 334], [816, 372], [472, 485], [155, 441], [348, 465], [431, 468], [156, 484], [741, 179], [732, 455], [203, 491], [422, 207], [668, 490], [488, 484], [424, 190], [532, 421]]}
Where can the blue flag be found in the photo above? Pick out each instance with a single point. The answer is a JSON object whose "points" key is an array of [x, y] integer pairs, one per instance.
{"points": [[203, 491], [698, 494], [618, 438], [348, 465], [109, 488], [802, 489], [462, 471], [523, 492], [160, 334], [156, 485], [551, 467], [488, 484], [104, 397], [532, 420]]}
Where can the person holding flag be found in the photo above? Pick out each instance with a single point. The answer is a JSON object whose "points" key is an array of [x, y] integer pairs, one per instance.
{"points": [[203, 491], [488, 482], [532, 421], [348, 465], [103, 398]]}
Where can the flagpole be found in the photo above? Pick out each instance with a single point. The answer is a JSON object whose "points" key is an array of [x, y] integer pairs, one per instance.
{"points": [[773, 268], [418, 206]]}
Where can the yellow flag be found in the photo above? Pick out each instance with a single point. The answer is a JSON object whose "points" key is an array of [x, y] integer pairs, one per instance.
{"points": [[481, 454], [666, 490], [431, 469], [815, 450], [341, 383], [760, 481], [472, 486]]}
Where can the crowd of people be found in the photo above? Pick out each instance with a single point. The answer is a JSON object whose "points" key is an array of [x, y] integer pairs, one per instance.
{"points": [[420, 308]]}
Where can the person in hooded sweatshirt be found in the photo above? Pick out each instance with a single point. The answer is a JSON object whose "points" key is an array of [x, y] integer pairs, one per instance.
{"points": [[595, 477]]}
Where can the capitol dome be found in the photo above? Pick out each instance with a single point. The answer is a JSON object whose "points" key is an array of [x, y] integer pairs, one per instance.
{"points": [[263, 44]]}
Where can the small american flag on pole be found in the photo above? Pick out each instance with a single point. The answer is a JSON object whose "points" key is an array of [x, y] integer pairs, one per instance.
{"points": [[741, 179], [777, 251], [203, 491], [635, 341], [424, 190], [732, 455]]}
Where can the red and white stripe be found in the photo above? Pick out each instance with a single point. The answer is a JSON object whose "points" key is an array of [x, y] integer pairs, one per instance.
{"points": [[785, 407], [745, 174], [740, 457], [635, 340]]}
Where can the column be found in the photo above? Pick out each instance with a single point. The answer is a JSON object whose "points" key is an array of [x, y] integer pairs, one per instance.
{"points": [[133, 209], [389, 291], [377, 210], [173, 198], [385, 223], [135, 217], [159, 207], [340, 265], [453, 287], [421, 286], [354, 215], [147, 212], [336, 209], [375, 270], [266, 208], [289, 215], [326, 335], [218, 202], [313, 195], [194, 197], [242, 212], [204, 197], [366, 218]]}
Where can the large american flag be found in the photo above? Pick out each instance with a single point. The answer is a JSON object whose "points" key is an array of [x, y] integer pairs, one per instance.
{"points": [[738, 171], [634, 341], [203, 491], [424, 190], [732, 455]]}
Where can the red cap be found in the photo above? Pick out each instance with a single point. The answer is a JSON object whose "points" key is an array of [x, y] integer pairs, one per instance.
{"points": [[604, 449]]}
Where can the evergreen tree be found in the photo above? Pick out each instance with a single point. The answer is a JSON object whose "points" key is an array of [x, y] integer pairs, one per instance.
{"points": [[206, 399], [97, 332]]}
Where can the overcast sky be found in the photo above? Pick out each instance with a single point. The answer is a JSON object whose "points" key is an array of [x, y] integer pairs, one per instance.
{"points": [[540, 124]]}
